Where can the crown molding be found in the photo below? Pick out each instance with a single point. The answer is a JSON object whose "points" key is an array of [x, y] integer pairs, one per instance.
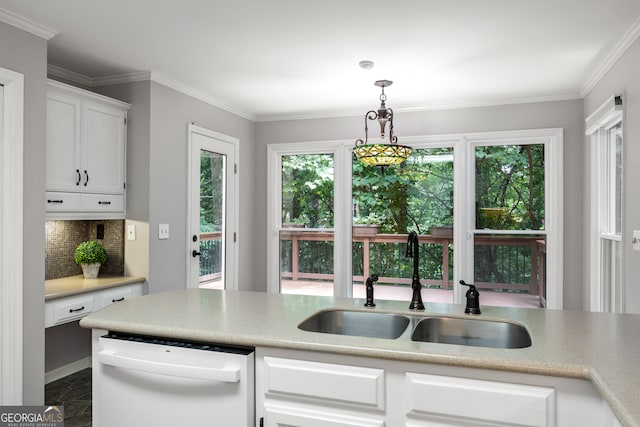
{"points": [[69, 76], [609, 61], [200, 95], [138, 76], [89, 82], [487, 102], [26, 24]]}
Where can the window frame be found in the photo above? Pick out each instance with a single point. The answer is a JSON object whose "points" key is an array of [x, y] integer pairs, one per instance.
{"points": [[602, 205], [341, 152], [464, 194]]}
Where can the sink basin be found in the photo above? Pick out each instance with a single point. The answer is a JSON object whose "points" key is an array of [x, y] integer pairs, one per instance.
{"points": [[357, 323], [471, 332]]}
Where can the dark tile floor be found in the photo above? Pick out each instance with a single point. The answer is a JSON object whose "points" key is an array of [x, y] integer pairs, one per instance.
{"points": [[74, 392]]}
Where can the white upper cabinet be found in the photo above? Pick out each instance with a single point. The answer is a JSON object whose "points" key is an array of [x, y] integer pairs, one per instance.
{"points": [[102, 153], [63, 142], [86, 146]]}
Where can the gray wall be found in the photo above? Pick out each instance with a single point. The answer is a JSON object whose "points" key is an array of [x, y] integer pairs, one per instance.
{"points": [[623, 78], [157, 177], [27, 54], [564, 114]]}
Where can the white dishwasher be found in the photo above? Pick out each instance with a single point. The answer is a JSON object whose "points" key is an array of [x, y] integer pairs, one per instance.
{"points": [[151, 381]]}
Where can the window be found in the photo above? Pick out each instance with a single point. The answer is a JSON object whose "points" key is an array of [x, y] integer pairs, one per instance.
{"points": [[387, 205], [333, 223], [605, 129]]}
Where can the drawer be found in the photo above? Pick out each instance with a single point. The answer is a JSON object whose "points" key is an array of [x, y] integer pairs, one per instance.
{"points": [[118, 294], [352, 385], [59, 202], [68, 309], [450, 398], [102, 203]]}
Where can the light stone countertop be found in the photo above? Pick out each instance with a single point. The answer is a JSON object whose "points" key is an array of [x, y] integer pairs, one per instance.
{"points": [[76, 285], [599, 347]]}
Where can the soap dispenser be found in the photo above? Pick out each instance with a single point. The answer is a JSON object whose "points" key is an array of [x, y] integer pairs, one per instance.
{"points": [[369, 287], [473, 299]]}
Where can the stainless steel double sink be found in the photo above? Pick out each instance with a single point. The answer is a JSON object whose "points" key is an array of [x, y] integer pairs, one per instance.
{"points": [[437, 329]]}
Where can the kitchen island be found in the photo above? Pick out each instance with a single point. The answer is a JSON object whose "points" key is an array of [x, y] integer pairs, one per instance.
{"points": [[596, 347]]}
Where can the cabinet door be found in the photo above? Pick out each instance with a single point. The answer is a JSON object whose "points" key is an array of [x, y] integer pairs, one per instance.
{"points": [[63, 143], [103, 150]]}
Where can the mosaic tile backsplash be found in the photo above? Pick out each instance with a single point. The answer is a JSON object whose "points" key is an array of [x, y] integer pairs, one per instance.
{"points": [[61, 240]]}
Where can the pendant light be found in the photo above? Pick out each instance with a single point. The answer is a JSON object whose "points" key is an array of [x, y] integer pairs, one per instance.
{"points": [[382, 154]]}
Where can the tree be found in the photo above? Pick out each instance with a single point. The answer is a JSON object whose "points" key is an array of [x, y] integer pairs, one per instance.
{"points": [[211, 192], [307, 190], [415, 195]]}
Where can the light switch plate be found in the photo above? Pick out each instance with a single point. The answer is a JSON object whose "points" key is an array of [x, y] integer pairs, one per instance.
{"points": [[635, 242], [131, 232], [163, 231]]}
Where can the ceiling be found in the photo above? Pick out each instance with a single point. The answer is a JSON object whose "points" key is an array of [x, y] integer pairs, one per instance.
{"points": [[278, 59]]}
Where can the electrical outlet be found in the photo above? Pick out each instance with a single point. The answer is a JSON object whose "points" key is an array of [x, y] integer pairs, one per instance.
{"points": [[635, 242], [131, 232], [163, 231]]}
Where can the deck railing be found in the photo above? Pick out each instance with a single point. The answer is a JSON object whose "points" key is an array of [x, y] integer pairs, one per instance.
{"points": [[210, 256], [515, 263], [502, 262]]}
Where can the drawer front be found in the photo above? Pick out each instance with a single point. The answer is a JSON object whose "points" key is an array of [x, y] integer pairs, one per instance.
{"points": [[72, 308], [118, 294], [353, 385], [276, 415], [434, 397], [62, 202], [102, 203]]}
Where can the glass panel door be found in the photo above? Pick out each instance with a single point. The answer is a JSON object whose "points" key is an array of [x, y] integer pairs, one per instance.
{"points": [[306, 224], [388, 204], [509, 238], [212, 205]]}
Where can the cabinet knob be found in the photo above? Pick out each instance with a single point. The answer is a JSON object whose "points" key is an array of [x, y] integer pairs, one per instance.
{"points": [[86, 175], [79, 177]]}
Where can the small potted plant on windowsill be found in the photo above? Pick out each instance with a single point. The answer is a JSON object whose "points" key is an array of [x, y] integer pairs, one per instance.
{"points": [[90, 255]]}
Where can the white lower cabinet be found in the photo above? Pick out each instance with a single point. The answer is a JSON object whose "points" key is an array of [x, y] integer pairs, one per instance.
{"points": [[311, 393], [300, 388], [71, 308]]}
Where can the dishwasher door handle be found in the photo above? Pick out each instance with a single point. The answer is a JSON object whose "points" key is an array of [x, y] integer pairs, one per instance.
{"points": [[228, 375]]}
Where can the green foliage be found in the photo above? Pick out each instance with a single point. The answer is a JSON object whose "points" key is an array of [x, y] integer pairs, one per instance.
{"points": [[307, 190], [416, 195], [510, 177], [211, 191], [90, 252]]}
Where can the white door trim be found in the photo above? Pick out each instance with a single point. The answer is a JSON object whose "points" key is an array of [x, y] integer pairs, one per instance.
{"points": [[11, 239], [232, 219]]}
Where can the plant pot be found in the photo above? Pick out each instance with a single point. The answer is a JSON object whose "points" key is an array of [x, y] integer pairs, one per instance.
{"points": [[90, 271], [368, 230], [445, 231]]}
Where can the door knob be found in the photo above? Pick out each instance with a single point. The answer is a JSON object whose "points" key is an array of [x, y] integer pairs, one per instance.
{"points": [[195, 253]]}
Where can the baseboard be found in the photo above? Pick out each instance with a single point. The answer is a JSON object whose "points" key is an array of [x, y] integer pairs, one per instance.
{"points": [[65, 370]]}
